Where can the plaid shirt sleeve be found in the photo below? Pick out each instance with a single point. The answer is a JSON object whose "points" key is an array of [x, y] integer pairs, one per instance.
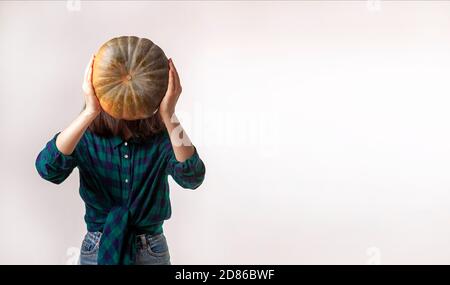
{"points": [[52, 164], [190, 173]]}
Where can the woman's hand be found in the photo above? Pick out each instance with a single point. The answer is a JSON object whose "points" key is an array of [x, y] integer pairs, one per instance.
{"points": [[181, 144], [93, 107], [168, 103]]}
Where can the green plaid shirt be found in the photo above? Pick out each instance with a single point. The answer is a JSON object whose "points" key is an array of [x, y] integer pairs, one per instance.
{"points": [[124, 186]]}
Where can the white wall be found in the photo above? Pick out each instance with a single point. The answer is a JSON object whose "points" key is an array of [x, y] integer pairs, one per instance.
{"points": [[323, 126]]}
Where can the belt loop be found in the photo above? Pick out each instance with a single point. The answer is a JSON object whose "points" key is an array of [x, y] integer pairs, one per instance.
{"points": [[143, 241], [98, 236]]}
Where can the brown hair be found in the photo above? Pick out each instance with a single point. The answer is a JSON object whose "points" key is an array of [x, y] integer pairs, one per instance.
{"points": [[107, 126]]}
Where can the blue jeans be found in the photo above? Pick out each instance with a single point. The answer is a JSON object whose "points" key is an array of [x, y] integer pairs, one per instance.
{"points": [[151, 249]]}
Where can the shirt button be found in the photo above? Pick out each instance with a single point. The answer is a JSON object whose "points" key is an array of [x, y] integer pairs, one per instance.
{"points": [[126, 156], [126, 143], [126, 180]]}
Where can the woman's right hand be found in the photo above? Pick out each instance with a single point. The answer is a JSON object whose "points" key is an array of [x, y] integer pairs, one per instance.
{"points": [[92, 104]]}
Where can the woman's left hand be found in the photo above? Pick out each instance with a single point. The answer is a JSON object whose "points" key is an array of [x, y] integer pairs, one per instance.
{"points": [[168, 103]]}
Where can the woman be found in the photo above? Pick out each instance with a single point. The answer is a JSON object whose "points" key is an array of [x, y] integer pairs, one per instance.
{"points": [[123, 167]]}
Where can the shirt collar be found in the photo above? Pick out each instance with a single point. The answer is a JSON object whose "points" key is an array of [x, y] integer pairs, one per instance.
{"points": [[117, 140]]}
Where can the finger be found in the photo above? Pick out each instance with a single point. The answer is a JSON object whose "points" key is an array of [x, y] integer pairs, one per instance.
{"points": [[175, 72], [91, 70], [176, 77], [171, 84], [88, 67], [86, 70]]}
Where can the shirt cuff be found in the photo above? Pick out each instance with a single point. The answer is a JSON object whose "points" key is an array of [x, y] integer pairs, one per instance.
{"points": [[56, 156], [191, 165]]}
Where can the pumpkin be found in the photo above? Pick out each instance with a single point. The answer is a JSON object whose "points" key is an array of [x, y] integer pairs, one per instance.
{"points": [[130, 77]]}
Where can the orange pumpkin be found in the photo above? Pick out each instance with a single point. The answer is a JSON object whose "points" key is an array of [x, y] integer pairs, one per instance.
{"points": [[130, 77]]}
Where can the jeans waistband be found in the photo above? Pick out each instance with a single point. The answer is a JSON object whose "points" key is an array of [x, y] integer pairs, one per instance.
{"points": [[141, 240]]}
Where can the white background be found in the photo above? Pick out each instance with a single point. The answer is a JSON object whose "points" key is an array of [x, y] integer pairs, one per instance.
{"points": [[324, 127]]}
